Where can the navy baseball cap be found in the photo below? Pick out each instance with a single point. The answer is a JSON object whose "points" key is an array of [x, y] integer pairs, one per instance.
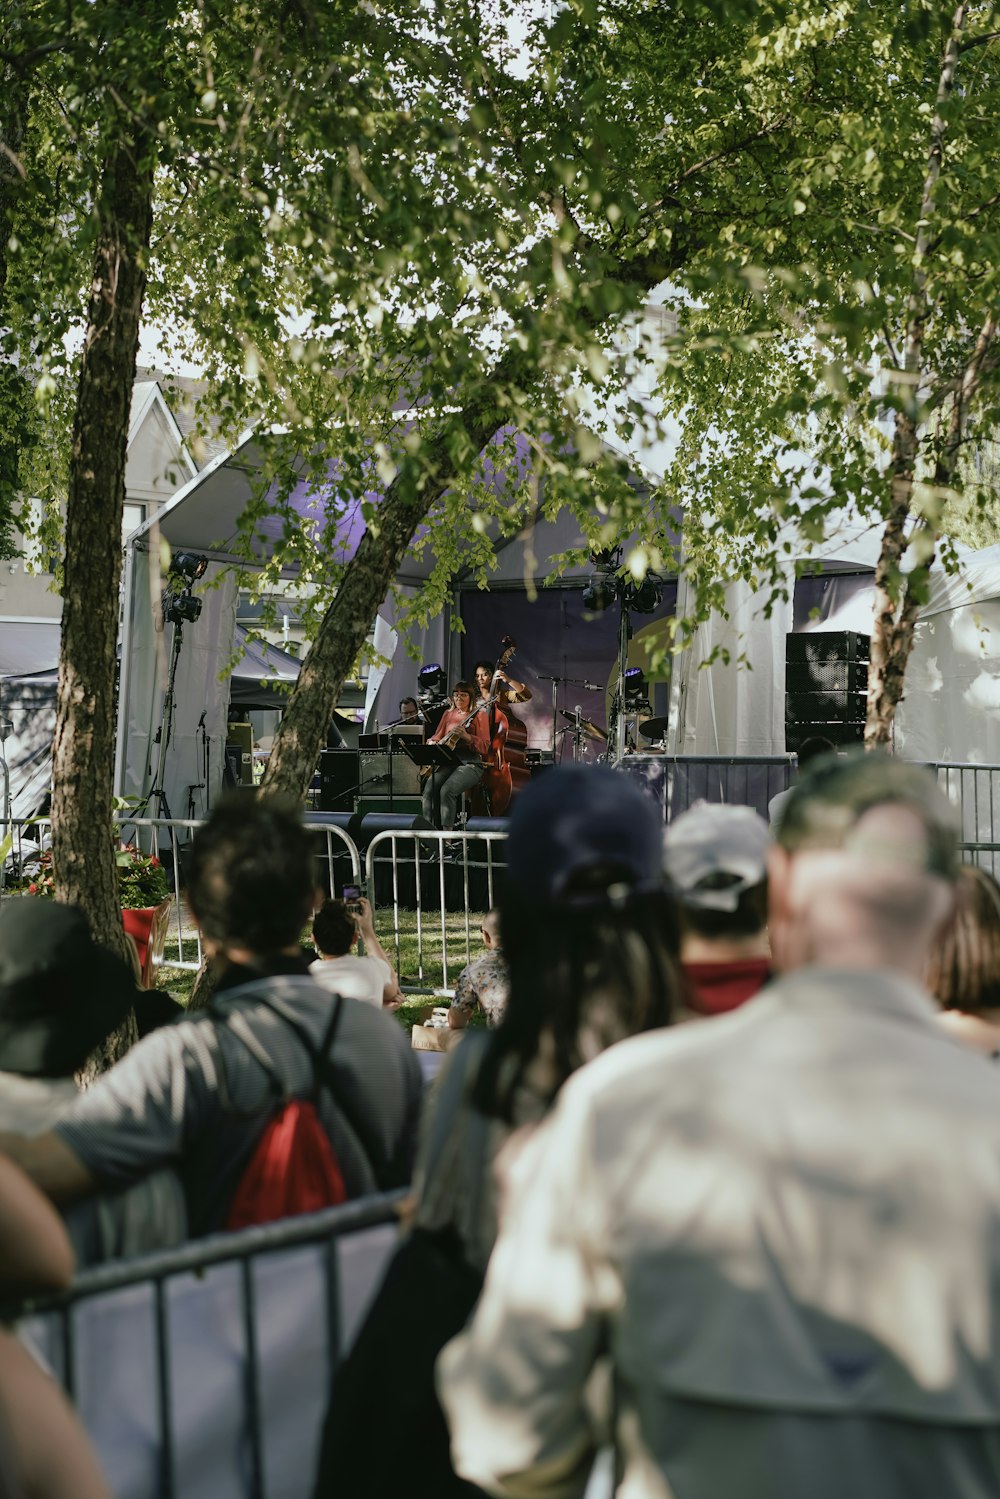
{"points": [[583, 820]]}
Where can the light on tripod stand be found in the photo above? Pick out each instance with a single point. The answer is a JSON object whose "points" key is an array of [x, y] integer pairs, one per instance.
{"points": [[636, 694], [644, 597], [179, 604], [188, 565], [602, 590]]}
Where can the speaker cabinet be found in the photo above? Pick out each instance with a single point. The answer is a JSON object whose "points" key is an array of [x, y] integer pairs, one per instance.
{"points": [[374, 774], [338, 780], [826, 682]]}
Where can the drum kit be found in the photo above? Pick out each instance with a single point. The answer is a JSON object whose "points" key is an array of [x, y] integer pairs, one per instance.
{"points": [[586, 736], [644, 734]]}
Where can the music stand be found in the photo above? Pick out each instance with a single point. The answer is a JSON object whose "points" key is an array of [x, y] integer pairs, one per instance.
{"points": [[434, 757]]}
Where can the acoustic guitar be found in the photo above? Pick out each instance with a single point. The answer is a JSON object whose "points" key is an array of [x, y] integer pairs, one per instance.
{"points": [[453, 738]]}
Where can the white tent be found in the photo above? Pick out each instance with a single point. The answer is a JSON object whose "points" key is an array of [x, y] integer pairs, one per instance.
{"points": [[204, 517], [951, 707]]}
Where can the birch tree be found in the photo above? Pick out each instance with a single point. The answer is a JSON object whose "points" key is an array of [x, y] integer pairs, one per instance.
{"points": [[846, 366]]}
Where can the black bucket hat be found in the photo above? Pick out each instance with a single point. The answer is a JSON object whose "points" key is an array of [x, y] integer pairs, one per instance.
{"points": [[61, 994]]}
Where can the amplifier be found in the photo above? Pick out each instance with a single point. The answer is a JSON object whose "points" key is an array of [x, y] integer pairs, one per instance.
{"points": [[338, 780], [374, 774], [239, 753]]}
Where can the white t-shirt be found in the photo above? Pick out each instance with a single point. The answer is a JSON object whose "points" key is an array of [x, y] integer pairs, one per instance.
{"points": [[776, 808], [354, 976]]}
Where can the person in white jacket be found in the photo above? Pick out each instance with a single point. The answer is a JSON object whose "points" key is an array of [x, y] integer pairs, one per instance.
{"points": [[781, 1229]]}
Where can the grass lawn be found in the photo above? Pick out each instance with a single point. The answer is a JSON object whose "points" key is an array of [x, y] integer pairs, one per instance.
{"points": [[418, 962]]}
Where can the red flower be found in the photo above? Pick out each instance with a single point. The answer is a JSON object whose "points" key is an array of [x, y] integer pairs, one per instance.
{"points": [[32, 889]]}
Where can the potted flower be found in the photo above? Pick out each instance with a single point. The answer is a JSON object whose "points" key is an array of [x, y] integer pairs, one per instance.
{"points": [[145, 901], [144, 895]]}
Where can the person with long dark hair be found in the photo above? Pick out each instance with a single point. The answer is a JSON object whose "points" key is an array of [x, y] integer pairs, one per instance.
{"points": [[590, 936]]}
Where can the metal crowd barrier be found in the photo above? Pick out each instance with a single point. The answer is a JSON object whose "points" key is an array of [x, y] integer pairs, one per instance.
{"points": [[444, 878], [427, 907], [975, 791], [676, 781], [168, 836], [204, 1372]]}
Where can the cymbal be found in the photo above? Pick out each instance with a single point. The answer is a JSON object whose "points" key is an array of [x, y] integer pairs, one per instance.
{"points": [[591, 730], [653, 728]]}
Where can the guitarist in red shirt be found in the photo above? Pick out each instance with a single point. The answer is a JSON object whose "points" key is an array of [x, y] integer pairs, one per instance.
{"points": [[466, 730]]}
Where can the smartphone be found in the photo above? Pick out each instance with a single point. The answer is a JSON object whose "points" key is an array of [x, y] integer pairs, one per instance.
{"points": [[352, 899]]}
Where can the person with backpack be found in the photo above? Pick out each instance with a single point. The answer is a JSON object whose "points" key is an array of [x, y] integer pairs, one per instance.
{"points": [[211, 1094]]}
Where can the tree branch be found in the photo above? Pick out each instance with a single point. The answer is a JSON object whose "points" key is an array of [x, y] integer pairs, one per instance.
{"points": [[979, 41]]}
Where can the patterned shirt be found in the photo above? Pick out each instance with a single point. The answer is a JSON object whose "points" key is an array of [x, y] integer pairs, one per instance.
{"points": [[485, 983]]}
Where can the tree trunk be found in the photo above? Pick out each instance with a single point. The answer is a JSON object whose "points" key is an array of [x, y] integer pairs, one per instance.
{"points": [[345, 626], [83, 752], [898, 596]]}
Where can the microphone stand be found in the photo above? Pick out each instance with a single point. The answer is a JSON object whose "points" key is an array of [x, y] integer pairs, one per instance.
{"points": [[567, 682]]}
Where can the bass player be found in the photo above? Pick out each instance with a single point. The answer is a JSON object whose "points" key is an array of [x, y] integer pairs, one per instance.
{"points": [[467, 731]]}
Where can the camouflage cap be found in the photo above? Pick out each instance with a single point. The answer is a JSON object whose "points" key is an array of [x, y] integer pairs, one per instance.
{"points": [[836, 791]]}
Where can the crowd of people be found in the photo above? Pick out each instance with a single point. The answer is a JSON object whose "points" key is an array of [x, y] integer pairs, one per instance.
{"points": [[716, 1186]]}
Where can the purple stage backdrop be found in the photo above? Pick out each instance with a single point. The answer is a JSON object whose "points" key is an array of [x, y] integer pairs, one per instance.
{"points": [[555, 636]]}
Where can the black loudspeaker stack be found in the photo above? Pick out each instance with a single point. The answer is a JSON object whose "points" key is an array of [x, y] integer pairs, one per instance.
{"points": [[826, 682]]}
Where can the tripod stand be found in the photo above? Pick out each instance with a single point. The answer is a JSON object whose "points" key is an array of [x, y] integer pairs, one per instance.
{"points": [[156, 794]]}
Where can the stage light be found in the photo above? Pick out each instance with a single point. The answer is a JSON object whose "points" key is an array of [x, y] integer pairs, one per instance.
{"points": [[636, 691], [431, 685], [178, 603], [599, 594], [602, 589], [189, 565], [644, 597]]}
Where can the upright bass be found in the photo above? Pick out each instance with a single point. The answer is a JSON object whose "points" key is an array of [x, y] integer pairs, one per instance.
{"points": [[506, 770]]}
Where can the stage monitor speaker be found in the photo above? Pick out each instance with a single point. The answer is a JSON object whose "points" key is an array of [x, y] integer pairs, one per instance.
{"points": [[487, 825], [346, 821], [409, 806], [392, 822], [338, 780]]}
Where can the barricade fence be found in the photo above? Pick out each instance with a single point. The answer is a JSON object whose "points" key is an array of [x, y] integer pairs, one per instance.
{"points": [[429, 890], [204, 1372]]}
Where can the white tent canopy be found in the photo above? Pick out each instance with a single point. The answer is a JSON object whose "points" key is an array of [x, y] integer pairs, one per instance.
{"points": [[951, 707], [736, 709]]}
